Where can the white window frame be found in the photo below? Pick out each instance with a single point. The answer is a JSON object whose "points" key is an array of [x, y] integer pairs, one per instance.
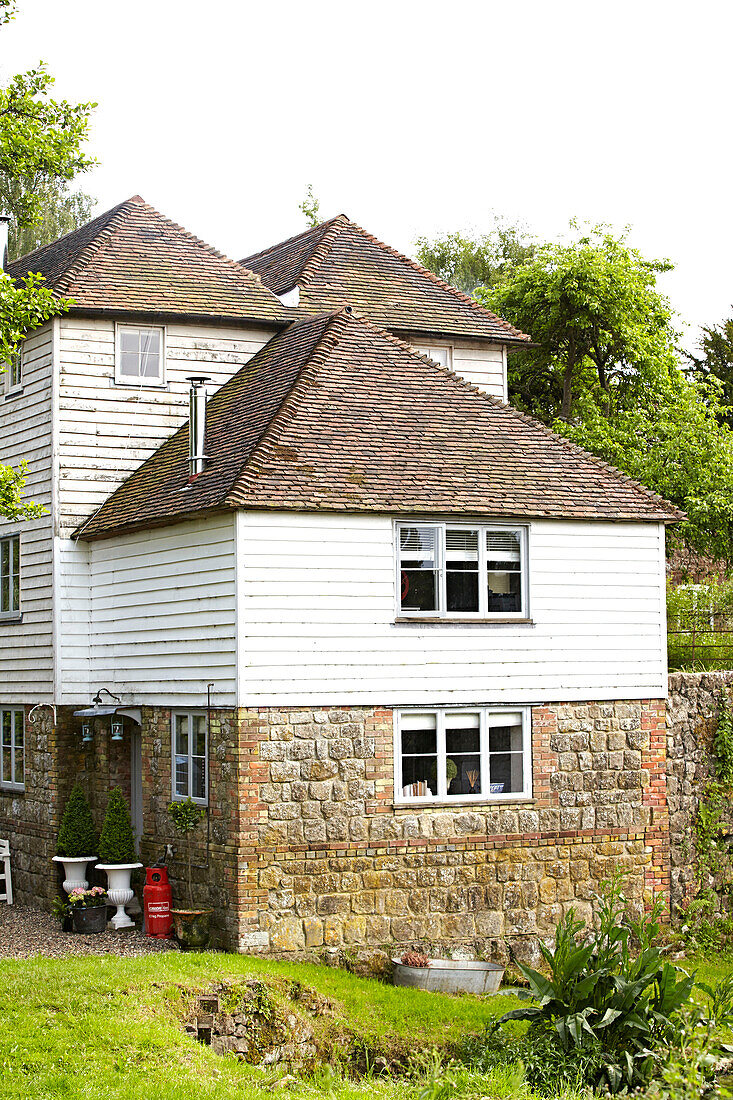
{"points": [[485, 714], [176, 795], [14, 384], [483, 614], [12, 614], [139, 383], [427, 349], [10, 784]]}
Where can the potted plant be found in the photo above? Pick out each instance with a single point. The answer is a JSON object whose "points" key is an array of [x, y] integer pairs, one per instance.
{"points": [[77, 840], [117, 855], [88, 909], [191, 925], [61, 911]]}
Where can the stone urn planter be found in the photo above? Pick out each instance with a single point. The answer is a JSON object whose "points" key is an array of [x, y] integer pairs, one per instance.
{"points": [[119, 891], [192, 928], [91, 919], [450, 976], [75, 871]]}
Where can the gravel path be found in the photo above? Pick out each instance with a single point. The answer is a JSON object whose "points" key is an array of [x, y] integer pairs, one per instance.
{"points": [[25, 932]]}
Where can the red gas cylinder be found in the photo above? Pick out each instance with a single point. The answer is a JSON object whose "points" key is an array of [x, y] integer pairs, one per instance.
{"points": [[157, 902]]}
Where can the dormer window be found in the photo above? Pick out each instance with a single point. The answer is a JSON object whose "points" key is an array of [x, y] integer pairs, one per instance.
{"points": [[439, 353], [140, 355]]}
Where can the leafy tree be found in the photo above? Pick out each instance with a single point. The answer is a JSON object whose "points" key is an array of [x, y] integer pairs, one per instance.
{"points": [[117, 841], [61, 212], [77, 835], [469, 263], [716, 362], [310, 207]]}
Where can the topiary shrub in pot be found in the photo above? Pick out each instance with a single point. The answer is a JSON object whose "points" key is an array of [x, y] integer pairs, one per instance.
{"points": [[117, 855], [77, 840], [192, 925]]}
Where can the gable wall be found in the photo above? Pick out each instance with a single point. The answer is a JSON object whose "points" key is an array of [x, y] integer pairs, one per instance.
{"points": [[317, 609], [481, 363], [26, 648]]}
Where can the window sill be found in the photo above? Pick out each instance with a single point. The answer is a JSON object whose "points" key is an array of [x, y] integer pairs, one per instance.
{"points": [[9, 790], [11, 616], [17, 392], [463, 804], [140, 384], [496, 621]]}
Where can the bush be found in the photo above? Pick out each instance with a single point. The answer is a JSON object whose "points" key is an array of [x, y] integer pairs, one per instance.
{"points": [[605, 1008], [77, 835], [117, 842]]}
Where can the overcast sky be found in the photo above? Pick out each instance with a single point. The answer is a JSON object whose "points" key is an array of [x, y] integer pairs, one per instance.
{"points": [[411, 117]]}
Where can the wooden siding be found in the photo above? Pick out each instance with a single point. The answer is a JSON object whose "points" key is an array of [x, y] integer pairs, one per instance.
{"points": [[483, 364], [107, 430], [26, 648], [316, 595], [159, 620]]}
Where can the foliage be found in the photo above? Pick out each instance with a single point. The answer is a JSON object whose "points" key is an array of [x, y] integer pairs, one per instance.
{"points": [[603, 999], [471, 262], [700, 625], [117, 841], [716, 363], [61, 211], [723, 743], [415, 958], [186, 816], [310, 207], [12, 505], [687, 1061], [77, 835], [87, 899]]}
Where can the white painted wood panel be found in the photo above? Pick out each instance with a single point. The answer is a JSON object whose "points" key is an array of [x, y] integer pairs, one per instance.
{"points": [[26, 648], [317, 619], [151, 616], [106, 430], [484, 365]]}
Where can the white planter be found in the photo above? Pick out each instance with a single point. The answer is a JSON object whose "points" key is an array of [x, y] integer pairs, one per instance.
{"points": [[75, 869], [119, 891]]}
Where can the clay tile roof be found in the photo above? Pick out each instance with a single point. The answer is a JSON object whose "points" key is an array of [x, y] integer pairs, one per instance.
{"points": [[339, 263], [336, 414], [132, 259]]}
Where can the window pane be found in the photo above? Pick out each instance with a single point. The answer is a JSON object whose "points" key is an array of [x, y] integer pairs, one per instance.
{"points": [[505, 738], [199, 777], [463, 753], [419, 755], [418, 568], [182, 734], [504, 571], [19, 754], [461, 564], [506, 773], [140, 353], [199, 734], [182, 775], [505, 591]]}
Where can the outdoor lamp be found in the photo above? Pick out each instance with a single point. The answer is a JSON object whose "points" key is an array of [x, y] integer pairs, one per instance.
{"points": [[117, 731], [86, 731]]}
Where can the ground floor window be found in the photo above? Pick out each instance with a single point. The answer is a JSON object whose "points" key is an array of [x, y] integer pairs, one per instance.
{"points": [[12, 749], [190, 756], [463, 754]]}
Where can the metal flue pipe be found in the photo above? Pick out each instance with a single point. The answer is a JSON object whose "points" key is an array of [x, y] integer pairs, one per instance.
{"points": [[196, 424]]}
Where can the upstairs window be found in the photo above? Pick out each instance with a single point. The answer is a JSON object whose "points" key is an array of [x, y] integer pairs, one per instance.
{"points": [[12, 749], [442, 354], [190, 757], [14, 371], [10, 577], [469, 754], [451, 570], [140, 356]]}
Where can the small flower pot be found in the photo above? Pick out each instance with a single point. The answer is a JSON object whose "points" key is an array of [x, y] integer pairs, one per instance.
{"points": [[192, 928], [119, 891], [92, 919], [75, 871]]}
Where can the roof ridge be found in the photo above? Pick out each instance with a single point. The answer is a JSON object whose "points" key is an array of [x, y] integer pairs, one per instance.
{"points": [[89, 250], [464, 298], [322, 249], [323, 348], [291, 240], [512, 411]]}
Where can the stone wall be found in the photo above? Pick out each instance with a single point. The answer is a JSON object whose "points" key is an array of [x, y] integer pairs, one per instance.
{"points": [[692, 716], [336, 863]]}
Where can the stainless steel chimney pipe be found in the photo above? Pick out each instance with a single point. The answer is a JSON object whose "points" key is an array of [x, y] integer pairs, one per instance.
{"points": [[196, 424], [4, 226]]}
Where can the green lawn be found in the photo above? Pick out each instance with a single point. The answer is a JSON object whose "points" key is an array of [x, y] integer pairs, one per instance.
{"points": [[108, 1028]]}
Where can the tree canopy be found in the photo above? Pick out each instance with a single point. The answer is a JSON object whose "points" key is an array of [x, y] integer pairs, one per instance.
{"points": [[310, 207], [482, 261], [715, 363]]}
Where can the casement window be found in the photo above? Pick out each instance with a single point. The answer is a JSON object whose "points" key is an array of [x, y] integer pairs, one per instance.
{"points": [[190, 756], [463, 754], [14, 372], [140, 355], [10, 577], [442, 354], [454, 570], [12, 749]]}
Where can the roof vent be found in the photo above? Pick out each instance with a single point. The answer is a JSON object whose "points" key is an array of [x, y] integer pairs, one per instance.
{"points": [[4, 226], [196, 424]]}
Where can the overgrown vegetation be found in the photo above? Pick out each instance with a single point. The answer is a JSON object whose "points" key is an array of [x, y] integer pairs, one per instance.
{"points": [[700, 626]]}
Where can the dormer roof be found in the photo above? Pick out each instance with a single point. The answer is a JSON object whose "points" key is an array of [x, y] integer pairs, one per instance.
{"points": [[338, 415], [339, 263], [132, 259]]}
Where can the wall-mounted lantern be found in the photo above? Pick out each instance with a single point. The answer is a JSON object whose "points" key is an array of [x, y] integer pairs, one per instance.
{"points": [[86, 732], [117, 731]]}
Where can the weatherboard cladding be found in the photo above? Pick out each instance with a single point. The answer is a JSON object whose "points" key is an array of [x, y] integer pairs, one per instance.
{"points": [[132, 259], [338, 263], [339, 415]]}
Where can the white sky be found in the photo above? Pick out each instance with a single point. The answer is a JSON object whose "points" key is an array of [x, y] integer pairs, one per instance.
{"points": [[410, 117]]}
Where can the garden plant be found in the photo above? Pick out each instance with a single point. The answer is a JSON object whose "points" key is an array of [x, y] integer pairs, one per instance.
{"points": [[77, 835], [117, 841]]}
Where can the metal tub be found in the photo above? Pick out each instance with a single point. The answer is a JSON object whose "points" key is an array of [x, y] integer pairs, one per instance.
{"points": [[450, 976]]}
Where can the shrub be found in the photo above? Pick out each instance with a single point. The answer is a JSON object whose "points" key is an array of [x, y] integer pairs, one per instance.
{"points": [[117, 842], [186, 816], [77, 835], [605, 1007]]}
